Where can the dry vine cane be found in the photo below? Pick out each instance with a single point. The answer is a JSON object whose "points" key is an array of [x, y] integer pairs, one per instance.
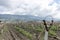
{"points": [[47, 29]]}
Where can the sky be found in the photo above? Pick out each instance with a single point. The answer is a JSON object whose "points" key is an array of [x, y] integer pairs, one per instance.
{"points": [[40, 8]]}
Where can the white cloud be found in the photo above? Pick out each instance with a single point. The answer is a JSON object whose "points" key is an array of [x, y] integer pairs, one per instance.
{"points": [[30, 7], [57, 15]]}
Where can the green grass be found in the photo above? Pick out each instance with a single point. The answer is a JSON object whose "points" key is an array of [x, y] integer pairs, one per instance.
{"points": [[38, 29], [25, 31], [52, 31], [22, 31]]}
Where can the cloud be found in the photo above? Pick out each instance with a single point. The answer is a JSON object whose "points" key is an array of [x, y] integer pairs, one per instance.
{"points": [[57, 1], [30, 7]]}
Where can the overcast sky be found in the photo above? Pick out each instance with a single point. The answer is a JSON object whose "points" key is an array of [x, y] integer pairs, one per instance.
{"points": [[31, 7]]}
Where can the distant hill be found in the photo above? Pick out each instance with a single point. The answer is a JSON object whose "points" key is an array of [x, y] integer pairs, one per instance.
{"points": [[19, 17], [22, 17]]}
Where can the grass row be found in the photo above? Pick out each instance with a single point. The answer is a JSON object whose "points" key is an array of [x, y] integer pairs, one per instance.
{"points": [[53, 31], [22, 31]]}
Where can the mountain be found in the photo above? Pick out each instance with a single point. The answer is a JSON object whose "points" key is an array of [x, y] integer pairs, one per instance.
{"points": [[9, 17], [19, 17]]}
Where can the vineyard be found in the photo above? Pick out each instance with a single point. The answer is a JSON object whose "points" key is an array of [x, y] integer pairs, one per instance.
{"points": [[30, 30]]}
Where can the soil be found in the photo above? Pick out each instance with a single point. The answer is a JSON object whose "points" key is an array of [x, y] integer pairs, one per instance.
{"points": [[9, 33]]}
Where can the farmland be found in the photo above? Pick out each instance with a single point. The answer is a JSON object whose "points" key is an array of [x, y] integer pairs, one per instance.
{"points": [[30, 30]]}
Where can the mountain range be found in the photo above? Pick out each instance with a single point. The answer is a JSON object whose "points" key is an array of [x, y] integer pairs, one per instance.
{"points": [[21, 17]]}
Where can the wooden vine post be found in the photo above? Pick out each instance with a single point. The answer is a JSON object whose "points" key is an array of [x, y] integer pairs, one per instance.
{"points": [[47, 29]]}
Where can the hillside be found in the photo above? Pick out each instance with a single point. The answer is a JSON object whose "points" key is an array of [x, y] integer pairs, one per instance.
{"points": [[19, 17]]}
